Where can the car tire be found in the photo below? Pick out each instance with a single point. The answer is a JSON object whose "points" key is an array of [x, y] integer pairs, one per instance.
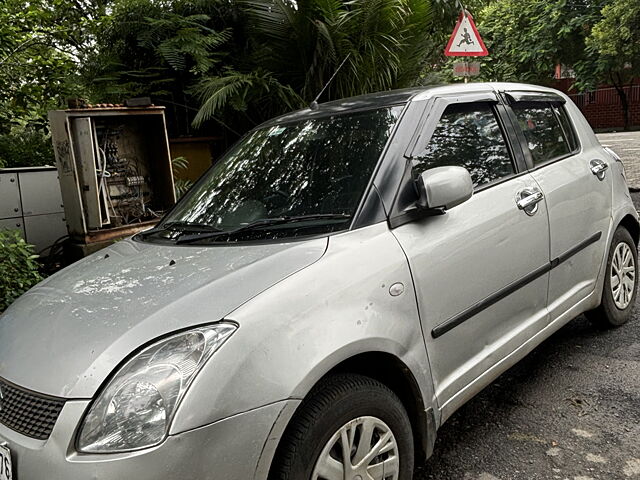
{"points": [[351, 405], [617, 306]]}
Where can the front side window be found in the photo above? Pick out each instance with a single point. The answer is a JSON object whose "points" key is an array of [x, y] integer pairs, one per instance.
{"points": [[542, 130], [285, 180], [469, 136]]}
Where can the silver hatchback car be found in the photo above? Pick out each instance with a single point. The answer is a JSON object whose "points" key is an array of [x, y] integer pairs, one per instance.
{"points": [[325, 296]]}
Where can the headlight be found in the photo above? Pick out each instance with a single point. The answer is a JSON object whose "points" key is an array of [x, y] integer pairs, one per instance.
{"points": [[136, 407]]}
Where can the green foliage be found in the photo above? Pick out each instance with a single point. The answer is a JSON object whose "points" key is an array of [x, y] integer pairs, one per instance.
{"points": [[237, 63], [617, 35], [258, 89], [613, 49], [155, 48], [528, 38], [613, 46], [232, 64], [181, 185], [18, 267], [293, 48], [40, 45], [25, 147]]}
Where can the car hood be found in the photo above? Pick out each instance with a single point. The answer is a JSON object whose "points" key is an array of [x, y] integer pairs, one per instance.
{"points": [[67, 334]]}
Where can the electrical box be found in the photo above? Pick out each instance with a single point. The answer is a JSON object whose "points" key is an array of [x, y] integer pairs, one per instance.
{"points": [[115, 170], [31, 202]]}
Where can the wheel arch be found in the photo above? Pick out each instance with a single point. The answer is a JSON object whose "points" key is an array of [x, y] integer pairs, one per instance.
{"points": [[392, 372], [631, 224]]}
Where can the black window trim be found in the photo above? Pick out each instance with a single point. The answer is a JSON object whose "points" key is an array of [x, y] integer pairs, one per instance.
{"points": [[545, 99], [527, 96], [432, 115], [574, 132]]}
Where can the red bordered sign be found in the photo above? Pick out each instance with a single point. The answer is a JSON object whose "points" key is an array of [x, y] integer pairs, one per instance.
{"points": [[465, 40]]}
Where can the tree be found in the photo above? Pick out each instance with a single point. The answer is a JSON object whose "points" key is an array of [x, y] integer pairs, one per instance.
{"points": [[39, 55], [295, 47], [159, 48], [614, 50], [528, 38]]}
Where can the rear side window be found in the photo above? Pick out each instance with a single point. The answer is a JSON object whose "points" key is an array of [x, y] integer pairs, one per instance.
{"points": [[469, 136], [547, 129]]}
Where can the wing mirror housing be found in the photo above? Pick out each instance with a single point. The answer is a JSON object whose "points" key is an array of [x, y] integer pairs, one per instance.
{"points": [[442, 188]]}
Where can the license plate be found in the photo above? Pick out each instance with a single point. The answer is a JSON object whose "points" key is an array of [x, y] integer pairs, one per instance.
{"points": [[5, 463]]}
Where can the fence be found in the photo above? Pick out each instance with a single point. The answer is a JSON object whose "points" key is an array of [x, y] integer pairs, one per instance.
{"points": [[603, 107], [606, 96]]}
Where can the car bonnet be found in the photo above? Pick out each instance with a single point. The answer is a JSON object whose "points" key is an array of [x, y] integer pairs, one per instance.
{"points": [[66, 335]]}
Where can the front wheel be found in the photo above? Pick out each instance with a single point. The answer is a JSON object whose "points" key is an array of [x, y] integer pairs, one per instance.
{"points": [[620, 283], [350, 427]]}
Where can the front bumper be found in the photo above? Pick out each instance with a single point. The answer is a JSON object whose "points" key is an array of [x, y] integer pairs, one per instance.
{"points": [[229, 449]]}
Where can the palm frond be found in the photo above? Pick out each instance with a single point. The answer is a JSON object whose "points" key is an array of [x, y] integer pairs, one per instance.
{"points": [[238, 89]]}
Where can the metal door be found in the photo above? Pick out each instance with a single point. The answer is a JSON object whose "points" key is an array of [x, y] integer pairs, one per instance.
{"points": [[578, 193], [481, 275]]}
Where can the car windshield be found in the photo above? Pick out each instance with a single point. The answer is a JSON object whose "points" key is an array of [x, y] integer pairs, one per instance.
{"points": [[284, 180]]}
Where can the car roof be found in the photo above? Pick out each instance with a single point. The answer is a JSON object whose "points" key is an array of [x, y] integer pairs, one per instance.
{"points": [[398, 97]]}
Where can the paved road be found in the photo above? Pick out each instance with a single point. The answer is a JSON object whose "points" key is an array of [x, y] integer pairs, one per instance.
{"points": [[627, 146], [569, 411]]}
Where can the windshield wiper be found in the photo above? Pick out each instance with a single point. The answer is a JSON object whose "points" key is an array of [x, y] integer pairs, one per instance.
{"points": [[181, 226], [265, 222]]}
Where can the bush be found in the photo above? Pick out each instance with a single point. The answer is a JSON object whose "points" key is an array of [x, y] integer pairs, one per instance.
{"points": [[18, 267], [25, 147]]}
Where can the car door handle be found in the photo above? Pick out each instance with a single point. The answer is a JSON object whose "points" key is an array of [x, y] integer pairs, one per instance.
{"points": [[528, 199], [598, 168]]}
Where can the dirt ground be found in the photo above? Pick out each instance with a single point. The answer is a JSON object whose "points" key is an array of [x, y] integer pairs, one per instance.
{"points": [[569, 411]]}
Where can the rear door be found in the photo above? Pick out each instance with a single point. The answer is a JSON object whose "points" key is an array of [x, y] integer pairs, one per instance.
{"points": [[481, 269], [574, 177]]}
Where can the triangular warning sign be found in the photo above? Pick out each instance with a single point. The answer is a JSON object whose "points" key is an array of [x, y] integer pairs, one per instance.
{"points": [[465, 40]]}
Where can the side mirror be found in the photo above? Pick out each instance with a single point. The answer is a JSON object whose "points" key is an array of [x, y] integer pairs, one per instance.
{"points": [[444, 187]]}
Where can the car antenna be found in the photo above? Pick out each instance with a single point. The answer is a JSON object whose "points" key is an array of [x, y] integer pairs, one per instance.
{"points": [[314, 104]]}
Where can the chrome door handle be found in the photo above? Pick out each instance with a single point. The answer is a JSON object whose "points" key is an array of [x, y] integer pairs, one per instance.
{"points": [[598, 168], [528, 199]]}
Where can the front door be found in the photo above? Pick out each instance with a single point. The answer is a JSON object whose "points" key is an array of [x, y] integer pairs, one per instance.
{"points": [[481, 269]]}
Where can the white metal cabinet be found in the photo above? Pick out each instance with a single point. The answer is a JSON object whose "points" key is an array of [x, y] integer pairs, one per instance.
{"points": [[31, 202], [40, 192], [10, 205], [115, 169], [43, 230]]}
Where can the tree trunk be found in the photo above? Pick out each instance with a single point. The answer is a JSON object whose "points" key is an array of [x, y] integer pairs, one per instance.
{"points": [[624, 100]]}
